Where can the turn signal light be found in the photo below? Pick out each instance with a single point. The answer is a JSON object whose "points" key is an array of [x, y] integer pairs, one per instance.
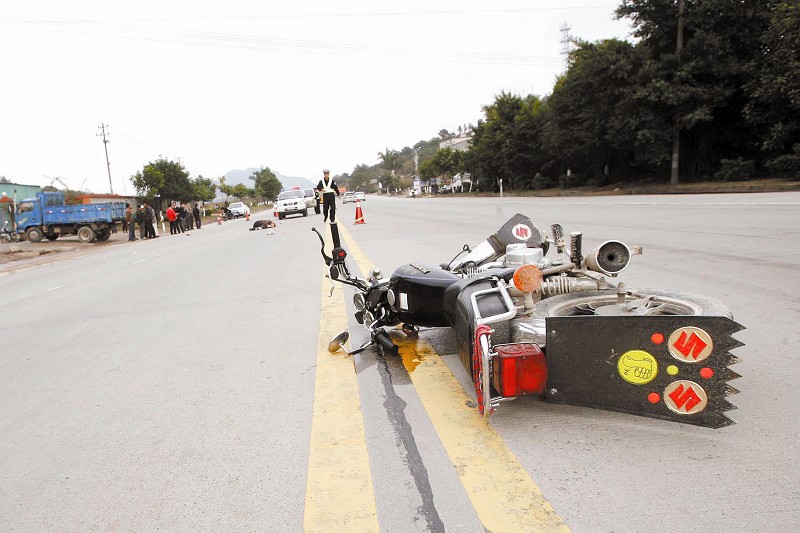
{"points": [[528, 278], [519, 369]]}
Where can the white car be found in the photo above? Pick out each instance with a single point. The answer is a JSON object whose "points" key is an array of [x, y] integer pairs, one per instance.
{"points": [[239, 209], [361, 197], [349, 197], [291, 203], [312, 199]]}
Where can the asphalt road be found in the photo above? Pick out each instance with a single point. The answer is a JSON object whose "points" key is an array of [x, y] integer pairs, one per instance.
{"points": [[169, 384]]}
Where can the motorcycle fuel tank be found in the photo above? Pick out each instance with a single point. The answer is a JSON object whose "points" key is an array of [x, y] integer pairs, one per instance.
{"points": [[415, 294]]}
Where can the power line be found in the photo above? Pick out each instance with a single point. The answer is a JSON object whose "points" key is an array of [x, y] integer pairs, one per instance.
{"points": [[28, 20], [251, 42]]}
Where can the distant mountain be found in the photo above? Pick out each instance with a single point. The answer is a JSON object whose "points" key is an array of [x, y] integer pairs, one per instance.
{"points": [[234, 177]]}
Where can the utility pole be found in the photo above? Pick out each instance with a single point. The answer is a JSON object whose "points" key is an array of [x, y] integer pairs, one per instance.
{"points": [[676, 140], [105, 147]]}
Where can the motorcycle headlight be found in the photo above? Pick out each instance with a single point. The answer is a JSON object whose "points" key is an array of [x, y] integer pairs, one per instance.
{"points": [[359, 302]]}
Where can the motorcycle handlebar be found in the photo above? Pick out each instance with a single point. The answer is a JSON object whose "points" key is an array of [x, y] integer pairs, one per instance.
{"points": [[382, 338], [328, 259]]}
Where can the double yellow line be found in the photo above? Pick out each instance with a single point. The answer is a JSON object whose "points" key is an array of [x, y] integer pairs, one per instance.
{"points": [[504, 496]]}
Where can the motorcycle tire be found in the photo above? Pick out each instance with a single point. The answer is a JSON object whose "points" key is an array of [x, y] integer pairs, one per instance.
{"points": [[604, 303]]}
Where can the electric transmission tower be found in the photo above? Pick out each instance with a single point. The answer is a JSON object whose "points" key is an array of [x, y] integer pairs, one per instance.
{"points": [[566, 43]]}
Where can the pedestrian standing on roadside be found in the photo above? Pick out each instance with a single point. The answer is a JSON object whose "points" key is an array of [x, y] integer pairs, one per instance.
{"points": [[172, 216], [155, 221], [140, 221], [189, 216], [182, 217], [329, 189], [149, 220], [130, 222], [196, 214]]}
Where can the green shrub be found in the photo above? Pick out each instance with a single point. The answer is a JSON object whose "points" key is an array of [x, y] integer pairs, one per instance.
{"points": [[736, 170], [786, 165], [543, 182], [569, 181]]}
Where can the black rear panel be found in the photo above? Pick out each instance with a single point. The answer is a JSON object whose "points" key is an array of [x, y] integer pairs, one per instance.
{"points": [[464, 318]]}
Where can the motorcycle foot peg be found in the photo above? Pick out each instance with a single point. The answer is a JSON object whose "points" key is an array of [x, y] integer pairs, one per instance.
{"points": [[410, 330]]}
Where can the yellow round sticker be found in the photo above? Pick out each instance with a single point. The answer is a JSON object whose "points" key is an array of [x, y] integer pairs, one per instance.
{"points": [[637, 367]]}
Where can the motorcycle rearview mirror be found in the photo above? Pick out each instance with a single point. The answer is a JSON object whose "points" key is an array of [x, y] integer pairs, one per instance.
{"points": [[338, 341]]}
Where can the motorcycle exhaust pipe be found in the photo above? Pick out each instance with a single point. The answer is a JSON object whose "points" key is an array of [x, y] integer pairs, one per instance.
{"points": [[610, 258]]}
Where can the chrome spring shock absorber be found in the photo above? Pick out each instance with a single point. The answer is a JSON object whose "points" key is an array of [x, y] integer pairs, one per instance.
{"points": [[556, 285]]}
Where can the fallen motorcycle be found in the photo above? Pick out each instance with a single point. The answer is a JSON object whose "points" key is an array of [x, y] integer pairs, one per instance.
{"points": [[527, 324], [7, 234]]}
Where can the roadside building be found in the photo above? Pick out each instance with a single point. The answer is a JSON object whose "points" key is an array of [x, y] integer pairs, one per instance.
{"points": [[10, 193], [90, 198]]}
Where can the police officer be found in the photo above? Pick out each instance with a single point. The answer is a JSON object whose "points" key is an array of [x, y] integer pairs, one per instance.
{"points": [[328, 188]]}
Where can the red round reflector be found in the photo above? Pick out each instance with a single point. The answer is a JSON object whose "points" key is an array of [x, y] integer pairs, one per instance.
{"points": [[653, 397]]}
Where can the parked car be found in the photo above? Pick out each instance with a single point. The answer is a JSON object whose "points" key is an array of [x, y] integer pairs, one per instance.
{"points": [[239, 209], [291, 203], [360, 196], [312, 199], [349, 196], [445, 189]]}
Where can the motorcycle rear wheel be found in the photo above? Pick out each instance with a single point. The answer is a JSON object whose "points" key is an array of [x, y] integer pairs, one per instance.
{"points": [[642, 302]]}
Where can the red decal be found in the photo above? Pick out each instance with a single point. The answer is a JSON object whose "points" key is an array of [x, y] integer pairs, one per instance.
{"points": [[685, 398], [522, 232], [687, 344]]}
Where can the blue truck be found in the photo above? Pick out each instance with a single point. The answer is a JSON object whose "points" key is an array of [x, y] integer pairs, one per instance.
{"points": [[47, 216]]}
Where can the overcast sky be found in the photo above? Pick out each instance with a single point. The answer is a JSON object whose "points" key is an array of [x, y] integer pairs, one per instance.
{"points": [[298, 87]]}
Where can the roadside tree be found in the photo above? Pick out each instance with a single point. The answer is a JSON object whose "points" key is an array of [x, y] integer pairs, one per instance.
{"points": [[163, 178]]}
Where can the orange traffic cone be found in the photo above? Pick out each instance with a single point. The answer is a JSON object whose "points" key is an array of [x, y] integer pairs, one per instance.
{"points": [[359, 214], [219, 220], [247, 216], [275, 213]]}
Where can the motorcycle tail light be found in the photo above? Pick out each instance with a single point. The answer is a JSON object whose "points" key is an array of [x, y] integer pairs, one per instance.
{"points": [[519, 369], [528, 278]]}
